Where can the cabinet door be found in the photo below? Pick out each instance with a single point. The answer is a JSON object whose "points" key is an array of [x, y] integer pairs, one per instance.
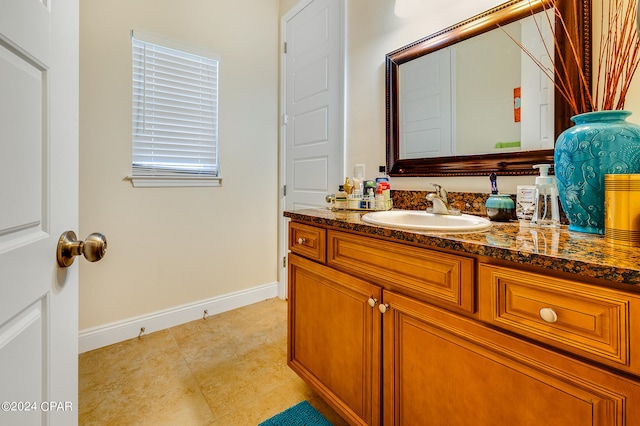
{"points": [[334, 338], [443, 369]]}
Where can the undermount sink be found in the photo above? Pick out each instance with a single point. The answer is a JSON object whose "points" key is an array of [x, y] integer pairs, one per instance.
{"points": [[420, 220]]}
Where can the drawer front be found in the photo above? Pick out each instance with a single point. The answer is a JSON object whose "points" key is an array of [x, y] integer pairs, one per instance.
{"points": [[587, 320], [444, 279], [308, 241]]}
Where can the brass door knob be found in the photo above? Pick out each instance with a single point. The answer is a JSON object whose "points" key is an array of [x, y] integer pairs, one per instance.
{"points": [[93, 248]]}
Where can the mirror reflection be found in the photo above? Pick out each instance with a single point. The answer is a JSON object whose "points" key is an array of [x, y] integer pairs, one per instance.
{"points": [[475, 131], [479, 96]]}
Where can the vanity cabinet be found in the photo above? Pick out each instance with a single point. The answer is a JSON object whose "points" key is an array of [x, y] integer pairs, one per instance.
{"points": [[444, 369], [461, 341], [334, 338]]}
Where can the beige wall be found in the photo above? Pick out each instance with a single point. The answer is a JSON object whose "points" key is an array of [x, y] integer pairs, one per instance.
{"points": [[169, 247], [172, 246]]}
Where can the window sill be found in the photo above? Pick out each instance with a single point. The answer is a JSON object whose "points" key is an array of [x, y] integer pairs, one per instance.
{"points": [[174, 181]]}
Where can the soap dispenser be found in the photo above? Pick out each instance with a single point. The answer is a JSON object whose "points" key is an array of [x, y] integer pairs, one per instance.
{"points": [[547, 211]]}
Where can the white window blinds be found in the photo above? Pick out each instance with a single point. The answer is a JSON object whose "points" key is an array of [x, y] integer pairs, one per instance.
{"points": [[175, 112]]}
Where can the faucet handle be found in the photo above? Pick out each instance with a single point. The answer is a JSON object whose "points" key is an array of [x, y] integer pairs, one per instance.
{"points": [[440, 191]]}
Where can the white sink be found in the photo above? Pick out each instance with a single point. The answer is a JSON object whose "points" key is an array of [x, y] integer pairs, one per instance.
{"points": [[420, 220]]}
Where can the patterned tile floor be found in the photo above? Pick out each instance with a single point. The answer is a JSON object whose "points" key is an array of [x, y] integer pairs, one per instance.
{"points": [[228, 369]]}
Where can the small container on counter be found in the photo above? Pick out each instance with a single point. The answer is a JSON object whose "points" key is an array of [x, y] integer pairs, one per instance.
{"points": [[382, 175], [622, 209], [526, 203], [500, 207], [341, 198]]}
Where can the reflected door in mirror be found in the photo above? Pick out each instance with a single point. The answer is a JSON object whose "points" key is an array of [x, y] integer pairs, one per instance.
{"points": [[426, 106], [459, 100]]}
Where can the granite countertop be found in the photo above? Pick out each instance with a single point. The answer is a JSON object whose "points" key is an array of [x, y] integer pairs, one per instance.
{"points": [[558, 249]]}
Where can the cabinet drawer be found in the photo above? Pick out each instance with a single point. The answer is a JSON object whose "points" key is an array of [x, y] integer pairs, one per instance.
{"points": [[308, 241], [584, 319], [441, 278]]}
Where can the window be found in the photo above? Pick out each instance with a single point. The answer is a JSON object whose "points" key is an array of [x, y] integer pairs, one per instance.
{"points": [[175, 114]]}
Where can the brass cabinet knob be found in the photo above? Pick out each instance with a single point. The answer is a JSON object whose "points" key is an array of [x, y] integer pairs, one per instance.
{"points": [[93, 248], [302, 240], [373, 301], [383, 307]]}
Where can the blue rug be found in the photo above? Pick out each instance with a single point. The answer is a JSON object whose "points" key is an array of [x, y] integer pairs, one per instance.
{"points": [[301, 414]]}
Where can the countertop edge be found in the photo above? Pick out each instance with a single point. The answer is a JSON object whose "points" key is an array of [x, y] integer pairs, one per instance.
{"points": [[500, 243]]}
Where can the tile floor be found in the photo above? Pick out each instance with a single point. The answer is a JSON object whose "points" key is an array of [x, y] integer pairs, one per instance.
{"points": [[228, 369]]}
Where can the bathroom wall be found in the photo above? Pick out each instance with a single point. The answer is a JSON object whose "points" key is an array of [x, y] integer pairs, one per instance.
{"points": [[372, 31], [175, 246]]}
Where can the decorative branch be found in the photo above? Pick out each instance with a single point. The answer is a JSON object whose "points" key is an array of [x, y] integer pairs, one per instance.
{"points": [[618, 57]]}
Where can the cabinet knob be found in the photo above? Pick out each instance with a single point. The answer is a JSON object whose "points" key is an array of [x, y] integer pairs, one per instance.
{"points": [[548, 315], [373, 301], [302, 240], [383, 307]]}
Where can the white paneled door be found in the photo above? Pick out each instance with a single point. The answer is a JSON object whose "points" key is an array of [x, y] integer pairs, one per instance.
{"points": [[38, 201], [313, 113], [537, 91], [426, 91], [312, 108]]}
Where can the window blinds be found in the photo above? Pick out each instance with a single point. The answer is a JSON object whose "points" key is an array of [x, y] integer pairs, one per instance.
{"points": [[175, 112]]}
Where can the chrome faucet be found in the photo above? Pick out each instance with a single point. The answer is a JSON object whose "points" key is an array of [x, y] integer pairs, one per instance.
{"points": [[440, 201]]}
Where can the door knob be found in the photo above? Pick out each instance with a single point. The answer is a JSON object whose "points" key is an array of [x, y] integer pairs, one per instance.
{"points": [[93, 248]]}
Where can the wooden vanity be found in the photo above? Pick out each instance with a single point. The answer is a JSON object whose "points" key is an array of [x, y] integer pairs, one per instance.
{"points": [[393, 327]]}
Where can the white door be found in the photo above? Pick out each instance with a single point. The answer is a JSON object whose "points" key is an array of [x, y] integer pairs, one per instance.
{"points": [[312, 92], [426, 110], [38, 201], [313, 104], [537, 90]]}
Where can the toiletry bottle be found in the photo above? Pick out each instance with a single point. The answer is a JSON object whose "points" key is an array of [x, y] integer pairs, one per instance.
{"points": [[525, 203], [386, 190], [370, 198], [382, 175], [547, 211], [379, 198], [358, 187], [341, 198], [370, 188], [348, 187], [355, 199]]}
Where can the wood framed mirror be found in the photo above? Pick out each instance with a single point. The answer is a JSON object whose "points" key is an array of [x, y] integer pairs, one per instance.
{"points": [[577, 18]]}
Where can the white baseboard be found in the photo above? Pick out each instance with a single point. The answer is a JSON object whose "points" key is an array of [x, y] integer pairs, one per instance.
{"points": [[104, 335]]}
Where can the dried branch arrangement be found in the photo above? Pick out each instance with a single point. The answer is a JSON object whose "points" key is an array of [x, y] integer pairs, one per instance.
{"points": [[617, 61], [619, 55]]}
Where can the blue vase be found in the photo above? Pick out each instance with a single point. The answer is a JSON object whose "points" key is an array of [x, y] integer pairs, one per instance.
{"points": [[600, 143]]}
